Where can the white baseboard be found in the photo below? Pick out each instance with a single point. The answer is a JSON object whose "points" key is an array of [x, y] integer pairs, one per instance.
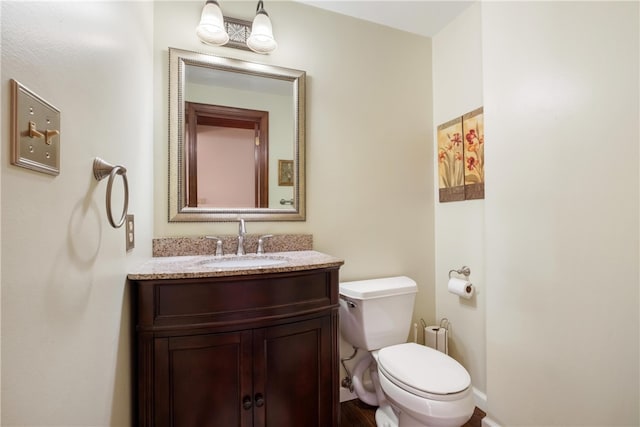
{"points": [[480, 398], [345, 395], [481, 402], [488, 422]]}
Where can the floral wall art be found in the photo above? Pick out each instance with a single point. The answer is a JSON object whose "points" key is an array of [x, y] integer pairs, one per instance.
{"points": [[473, 130], [461, 157], [451, 161]]}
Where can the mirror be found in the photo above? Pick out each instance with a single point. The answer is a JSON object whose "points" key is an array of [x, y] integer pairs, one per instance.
{"points": [[236, 140]]}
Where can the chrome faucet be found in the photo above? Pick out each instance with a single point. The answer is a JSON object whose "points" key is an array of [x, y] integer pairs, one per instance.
{"points": [[242, 230], [218, 240], [261, 240]]}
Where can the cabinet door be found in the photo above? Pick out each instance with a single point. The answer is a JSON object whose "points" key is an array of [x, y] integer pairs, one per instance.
{"points": [[293, 374], [201, 380]]}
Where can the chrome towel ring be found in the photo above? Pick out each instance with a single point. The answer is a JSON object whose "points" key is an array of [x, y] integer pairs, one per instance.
{"points": [[101, 170]]}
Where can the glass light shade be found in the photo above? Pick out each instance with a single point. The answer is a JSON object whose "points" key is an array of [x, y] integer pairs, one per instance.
{"points": [[261, 39], [211, 30]]}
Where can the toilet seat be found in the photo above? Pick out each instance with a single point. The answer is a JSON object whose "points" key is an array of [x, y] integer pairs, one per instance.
{"points": [[423, 371]]}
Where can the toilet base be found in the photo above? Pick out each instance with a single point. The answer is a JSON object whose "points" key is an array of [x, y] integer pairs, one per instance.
{"points": [[386, 417]]}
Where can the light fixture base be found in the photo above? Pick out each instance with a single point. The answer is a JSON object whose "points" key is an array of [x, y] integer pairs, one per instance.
{"points": [[239, 31]]}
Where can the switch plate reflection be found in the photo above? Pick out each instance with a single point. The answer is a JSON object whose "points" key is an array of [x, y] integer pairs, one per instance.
{"points": [[35, 131]]}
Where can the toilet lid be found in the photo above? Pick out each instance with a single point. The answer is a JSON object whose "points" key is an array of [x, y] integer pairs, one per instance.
{"points": [[423, 369]]}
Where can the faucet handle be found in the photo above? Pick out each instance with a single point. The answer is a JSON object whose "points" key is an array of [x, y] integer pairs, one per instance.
{"points": [[261, 243], [219, 251]]}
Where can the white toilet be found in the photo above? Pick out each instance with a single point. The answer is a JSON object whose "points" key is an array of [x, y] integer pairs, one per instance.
{"points": [[413, 385]]}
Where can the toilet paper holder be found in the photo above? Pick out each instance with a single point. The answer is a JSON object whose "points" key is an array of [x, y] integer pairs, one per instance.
{"points": [[464, 270]]}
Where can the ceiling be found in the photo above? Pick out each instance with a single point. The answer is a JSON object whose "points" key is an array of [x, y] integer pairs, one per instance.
{"points": [[423, 17]]}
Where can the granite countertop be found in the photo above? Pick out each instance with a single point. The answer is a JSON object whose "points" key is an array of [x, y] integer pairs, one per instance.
{"points": [[182, 246], [189, 267]]}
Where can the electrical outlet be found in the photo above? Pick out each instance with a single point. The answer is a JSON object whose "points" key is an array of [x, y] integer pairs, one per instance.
{"points": [[130, 230]]}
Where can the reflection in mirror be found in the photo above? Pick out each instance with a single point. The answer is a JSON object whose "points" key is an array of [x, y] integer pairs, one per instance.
{"points": [[232, 126], [237, 142]]}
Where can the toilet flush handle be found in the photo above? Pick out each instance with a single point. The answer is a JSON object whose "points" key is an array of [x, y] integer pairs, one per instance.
{"points": [[350, 303]]}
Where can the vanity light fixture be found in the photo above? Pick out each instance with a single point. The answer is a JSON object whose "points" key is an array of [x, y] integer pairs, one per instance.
{"points": [[211, 29], [261, 39]]}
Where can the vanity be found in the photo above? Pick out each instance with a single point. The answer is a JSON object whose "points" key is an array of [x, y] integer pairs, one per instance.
{"points": [[235, 340], [238, 343]]}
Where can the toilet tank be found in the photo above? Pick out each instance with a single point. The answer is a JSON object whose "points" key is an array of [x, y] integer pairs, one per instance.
{"points": [[377, 313]]}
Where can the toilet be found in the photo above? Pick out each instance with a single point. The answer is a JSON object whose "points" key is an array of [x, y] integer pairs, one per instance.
{"points": [[412, 385]]}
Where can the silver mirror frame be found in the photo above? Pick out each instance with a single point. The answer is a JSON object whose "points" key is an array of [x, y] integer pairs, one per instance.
{"points": [[178, 209]]}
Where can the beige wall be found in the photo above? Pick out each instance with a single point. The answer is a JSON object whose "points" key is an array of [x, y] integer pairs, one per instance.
{"points": [[553, 248], [544, 245], [460, 231], [561, 107], [65, 315], [369, 137]]}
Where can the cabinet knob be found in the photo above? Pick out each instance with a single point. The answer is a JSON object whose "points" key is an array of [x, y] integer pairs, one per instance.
{"points": [[246, 403], [259, 400]]}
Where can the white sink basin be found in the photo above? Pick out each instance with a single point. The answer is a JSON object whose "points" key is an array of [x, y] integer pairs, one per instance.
{"points": [[243, 262]]}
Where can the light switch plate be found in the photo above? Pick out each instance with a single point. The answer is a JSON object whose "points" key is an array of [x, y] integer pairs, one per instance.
{"points": [[35, 131], [130, 230]]}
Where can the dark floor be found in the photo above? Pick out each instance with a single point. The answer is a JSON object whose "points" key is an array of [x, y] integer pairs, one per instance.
{"points": [[354, 413]]}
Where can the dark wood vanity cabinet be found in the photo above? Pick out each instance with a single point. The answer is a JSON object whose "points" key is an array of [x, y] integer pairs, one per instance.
{"points": [[252, 350]]}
